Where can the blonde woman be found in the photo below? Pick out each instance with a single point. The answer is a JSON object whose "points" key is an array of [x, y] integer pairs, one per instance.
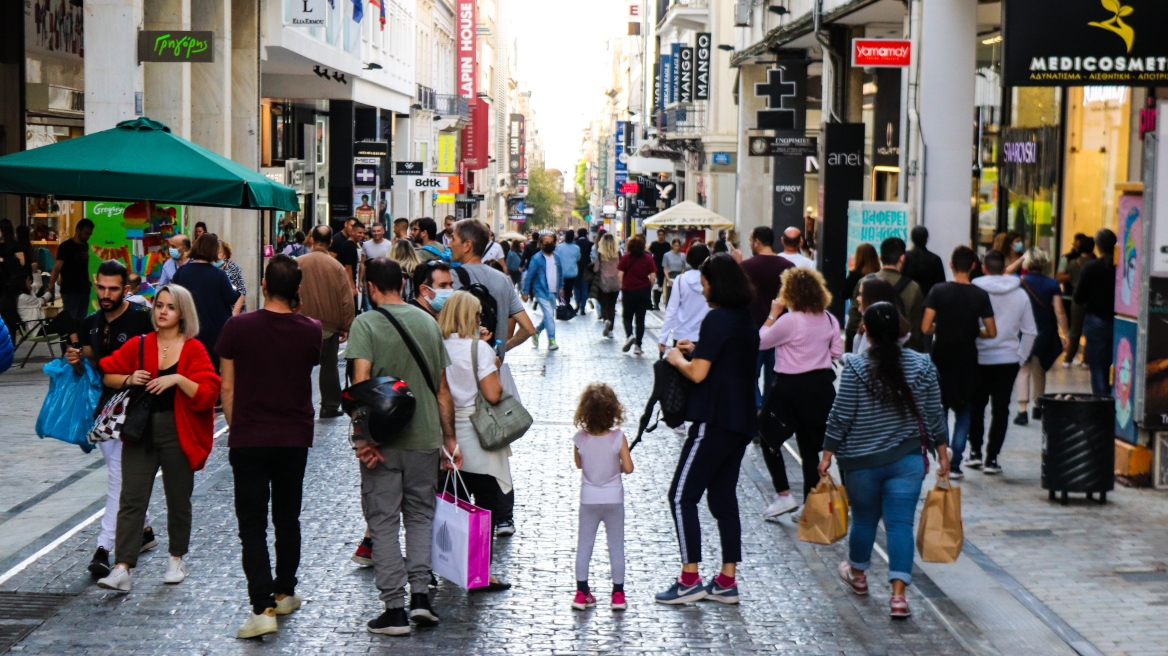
{"points": [[234, 274], [403, 253], [806, 339], [176, 370], [1051, 320], [487, 474], [608, 280]]}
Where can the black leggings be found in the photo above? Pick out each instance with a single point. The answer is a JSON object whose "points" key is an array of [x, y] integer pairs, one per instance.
{"points": [[487, 495], [569, 285], [807, 398], [709, 463], [607, 302], [636, 304]]}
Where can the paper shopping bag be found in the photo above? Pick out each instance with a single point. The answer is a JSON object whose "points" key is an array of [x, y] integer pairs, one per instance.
{"points": [[461, 547], [825, 513], [941, 535]]}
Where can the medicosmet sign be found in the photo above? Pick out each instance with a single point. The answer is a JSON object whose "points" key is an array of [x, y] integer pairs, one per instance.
{"points": [[1085, 42]]}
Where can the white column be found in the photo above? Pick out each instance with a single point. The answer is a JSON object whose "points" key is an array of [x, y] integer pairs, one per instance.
{"points": [[112, 73], [211, 97], [948, 63], [754, 179], [168, 85], [243, 227]]}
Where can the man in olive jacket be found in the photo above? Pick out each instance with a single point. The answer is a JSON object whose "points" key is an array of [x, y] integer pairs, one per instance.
{"points": [[912, 301]]}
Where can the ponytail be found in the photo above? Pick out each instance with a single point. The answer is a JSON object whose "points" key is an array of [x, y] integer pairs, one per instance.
{"points": [[882, 323]]}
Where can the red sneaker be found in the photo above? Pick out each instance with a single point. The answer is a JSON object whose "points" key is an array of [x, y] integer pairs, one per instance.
{"points": [[583, 601], [899, 607], [618, 601], [364, 553], [858, 584]]}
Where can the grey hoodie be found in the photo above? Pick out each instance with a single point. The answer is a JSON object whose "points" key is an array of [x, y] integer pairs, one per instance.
{"points": [[1014, 318], [686, 309]]}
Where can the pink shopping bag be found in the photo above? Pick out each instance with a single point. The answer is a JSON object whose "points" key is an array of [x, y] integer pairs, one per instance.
{"points": [[461, 547]]}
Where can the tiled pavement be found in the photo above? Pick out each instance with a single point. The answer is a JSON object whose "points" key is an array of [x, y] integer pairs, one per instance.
{"points": [[1095, 560]]}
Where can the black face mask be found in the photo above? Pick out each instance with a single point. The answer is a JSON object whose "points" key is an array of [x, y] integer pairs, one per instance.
{"points": [[549, 248]]}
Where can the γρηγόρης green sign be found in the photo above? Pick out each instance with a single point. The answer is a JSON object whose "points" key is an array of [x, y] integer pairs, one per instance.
{"points": [[176, 46]]}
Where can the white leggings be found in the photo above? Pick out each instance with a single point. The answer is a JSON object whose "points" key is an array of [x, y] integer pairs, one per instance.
{"points": [[112, 450], [613, 516], [1031, 371]]}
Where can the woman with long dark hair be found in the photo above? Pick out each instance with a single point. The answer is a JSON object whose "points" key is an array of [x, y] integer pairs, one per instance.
{"points": [[885, 417], [638, 272], [724, 420]]}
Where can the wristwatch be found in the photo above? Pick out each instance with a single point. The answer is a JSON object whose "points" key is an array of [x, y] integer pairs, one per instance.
{"points": [[771, 318]]}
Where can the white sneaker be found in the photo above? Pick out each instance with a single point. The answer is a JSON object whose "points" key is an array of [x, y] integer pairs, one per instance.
{"points": [[258, 625], [782, 504], [118, 579], [552, 346], [1066, 365], [176, 572], [288, 604]]}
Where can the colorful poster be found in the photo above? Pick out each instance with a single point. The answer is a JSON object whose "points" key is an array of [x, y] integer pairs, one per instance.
{"points": [[447, 162], [874, 221], [134, 234], [363, 209], [1124, 359], [1127, 267]]}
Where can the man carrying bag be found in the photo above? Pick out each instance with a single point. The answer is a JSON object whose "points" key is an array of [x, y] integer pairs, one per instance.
{"points": [[399, 477]]}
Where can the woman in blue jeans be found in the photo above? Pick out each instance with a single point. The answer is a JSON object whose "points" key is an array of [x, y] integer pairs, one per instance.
{"points": [[886, 415]]}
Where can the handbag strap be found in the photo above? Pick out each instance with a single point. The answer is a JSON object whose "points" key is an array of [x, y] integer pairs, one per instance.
{"points": [[141, 352], [1035, 296], [474, 366], [924, 444], [418, 359]]}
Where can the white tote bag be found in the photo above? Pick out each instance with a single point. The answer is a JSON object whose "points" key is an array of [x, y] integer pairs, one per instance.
{"points": [[508, 382], [460, 550]]}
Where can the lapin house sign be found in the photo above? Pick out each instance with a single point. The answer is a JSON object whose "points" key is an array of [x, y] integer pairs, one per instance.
{"points": [[467, 49], [1085, 42]]}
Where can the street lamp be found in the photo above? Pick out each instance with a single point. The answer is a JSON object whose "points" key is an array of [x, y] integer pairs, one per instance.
{"points": [[726, 48], [778, 10]]}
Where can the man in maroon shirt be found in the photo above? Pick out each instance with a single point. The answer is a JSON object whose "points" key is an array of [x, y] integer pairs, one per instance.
{"points": [[765, 271], [266, 359]]}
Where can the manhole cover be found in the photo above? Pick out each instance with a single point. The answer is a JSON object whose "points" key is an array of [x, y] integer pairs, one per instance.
{"points": [[1029, 533], [22, 612]]}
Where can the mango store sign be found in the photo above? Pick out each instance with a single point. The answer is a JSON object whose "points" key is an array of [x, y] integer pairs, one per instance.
{"points": [[872, 222]]}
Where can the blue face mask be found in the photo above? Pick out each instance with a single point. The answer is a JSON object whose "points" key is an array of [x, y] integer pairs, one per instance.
{"points": [[218, 264], [440, 296], [1018, 246], [174, 254]]}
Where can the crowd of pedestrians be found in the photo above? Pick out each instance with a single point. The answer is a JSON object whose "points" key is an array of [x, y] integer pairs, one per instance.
{"points": [[439, 311]]}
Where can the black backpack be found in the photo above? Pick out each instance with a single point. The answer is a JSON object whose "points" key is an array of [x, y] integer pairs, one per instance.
{"points": [[490, 311], [671, 392]]}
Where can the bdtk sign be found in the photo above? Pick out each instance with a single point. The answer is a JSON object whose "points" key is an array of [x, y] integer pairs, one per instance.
{"points": [[881, 53], [1085, 42]]}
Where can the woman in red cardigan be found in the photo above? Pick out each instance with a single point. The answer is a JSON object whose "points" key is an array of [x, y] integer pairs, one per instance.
{"points": [[175, 368]]}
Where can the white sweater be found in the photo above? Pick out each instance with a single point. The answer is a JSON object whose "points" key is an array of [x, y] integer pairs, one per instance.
{"points": [[686, 309], [1014, 319]]}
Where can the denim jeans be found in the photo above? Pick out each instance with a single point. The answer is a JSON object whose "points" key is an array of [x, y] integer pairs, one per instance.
{"points": [[961, 421], [765, 362], [77, 305], [1098, 332], [581, 293], [547, 306], [890, 492]]}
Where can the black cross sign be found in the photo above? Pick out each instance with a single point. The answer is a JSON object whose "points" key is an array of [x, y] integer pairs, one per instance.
{"points": [[778, 115]]}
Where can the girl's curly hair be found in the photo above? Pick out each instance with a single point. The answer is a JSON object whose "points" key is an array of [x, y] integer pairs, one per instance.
{"points": [[599, 410], [804, 290]]}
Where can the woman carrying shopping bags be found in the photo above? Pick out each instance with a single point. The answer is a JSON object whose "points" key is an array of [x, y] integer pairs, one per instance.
{"points": [[487, 474], [887, 412], [183, 387]]}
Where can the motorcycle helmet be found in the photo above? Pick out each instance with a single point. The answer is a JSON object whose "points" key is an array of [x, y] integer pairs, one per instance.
{"points": [[380, 407]]}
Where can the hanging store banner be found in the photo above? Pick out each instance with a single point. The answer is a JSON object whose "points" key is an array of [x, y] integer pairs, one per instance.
{"points": [[886, 118], [306, 13], [785, 143], [1085, 42], [685, 75], [467, 53], [408, 168], [841, 180], [785, 91], [702, 67], [675, 83], [517, 145], [447, 160], [621, 158], [666, 80], [881, 53], [474, 136]]}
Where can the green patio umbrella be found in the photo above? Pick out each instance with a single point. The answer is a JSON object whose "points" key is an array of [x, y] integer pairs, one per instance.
{"points": [[140, 160]]}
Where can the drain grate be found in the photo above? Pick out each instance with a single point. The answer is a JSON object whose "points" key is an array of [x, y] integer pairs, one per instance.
{"points": [[1029, 533], [22, 612]]}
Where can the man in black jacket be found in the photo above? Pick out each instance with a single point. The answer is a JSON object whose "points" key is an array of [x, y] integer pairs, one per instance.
{"points": [[924, 267], [1096, 291]]}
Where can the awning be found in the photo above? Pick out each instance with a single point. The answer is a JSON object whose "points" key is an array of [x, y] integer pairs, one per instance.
{"points": [[687, 214]]}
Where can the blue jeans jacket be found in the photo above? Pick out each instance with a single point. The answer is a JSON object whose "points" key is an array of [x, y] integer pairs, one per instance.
{"points": [[535, 281]]}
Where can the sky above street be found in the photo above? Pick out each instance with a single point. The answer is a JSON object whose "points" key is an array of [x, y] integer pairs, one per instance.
{"points": [[561, 47]]}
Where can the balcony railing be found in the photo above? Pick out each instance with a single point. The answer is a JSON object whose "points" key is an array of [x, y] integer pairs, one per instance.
{"points": [[425, 97], [684, 120], [664, 6], [451, 106]]}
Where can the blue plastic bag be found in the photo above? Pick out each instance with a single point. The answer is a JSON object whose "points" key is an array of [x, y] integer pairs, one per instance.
{"points": [[6, 351], [67, 413]]}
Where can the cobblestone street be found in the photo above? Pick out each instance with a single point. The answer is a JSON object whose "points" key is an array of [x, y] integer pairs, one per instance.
{"points": [[791, 600]]}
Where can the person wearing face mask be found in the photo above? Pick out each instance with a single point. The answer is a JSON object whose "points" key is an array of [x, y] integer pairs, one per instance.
{"points": [[1011, 246], [179, 250], [214, 296], [545, 281], [435, 284], [234, 274]]}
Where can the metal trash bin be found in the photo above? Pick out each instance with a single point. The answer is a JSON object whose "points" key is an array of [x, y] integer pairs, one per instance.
{"points": [[1078, 444]]}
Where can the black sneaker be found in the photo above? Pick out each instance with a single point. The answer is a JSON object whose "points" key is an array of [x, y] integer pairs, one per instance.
{"points": [[505, 528], [991, 467], [148, 540], [1021, 419], [393, 621], [99, 567], [420, 611], [1036, 414], [329, 413], [973, 461]]}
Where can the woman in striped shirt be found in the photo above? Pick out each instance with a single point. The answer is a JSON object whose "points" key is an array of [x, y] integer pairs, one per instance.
{"points": [[886, 417]]}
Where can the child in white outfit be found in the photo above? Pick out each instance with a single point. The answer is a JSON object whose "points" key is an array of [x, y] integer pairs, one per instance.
{"points": [[602, 455]]}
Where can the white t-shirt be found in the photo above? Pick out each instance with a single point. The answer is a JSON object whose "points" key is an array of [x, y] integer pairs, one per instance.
{"points": [[494, 252], [551, 271], [373, 249], [600, 474], [799, 260], [459, 375]]}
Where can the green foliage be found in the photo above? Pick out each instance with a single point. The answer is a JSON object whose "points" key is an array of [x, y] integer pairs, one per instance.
{"points": [[545, 199]]}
